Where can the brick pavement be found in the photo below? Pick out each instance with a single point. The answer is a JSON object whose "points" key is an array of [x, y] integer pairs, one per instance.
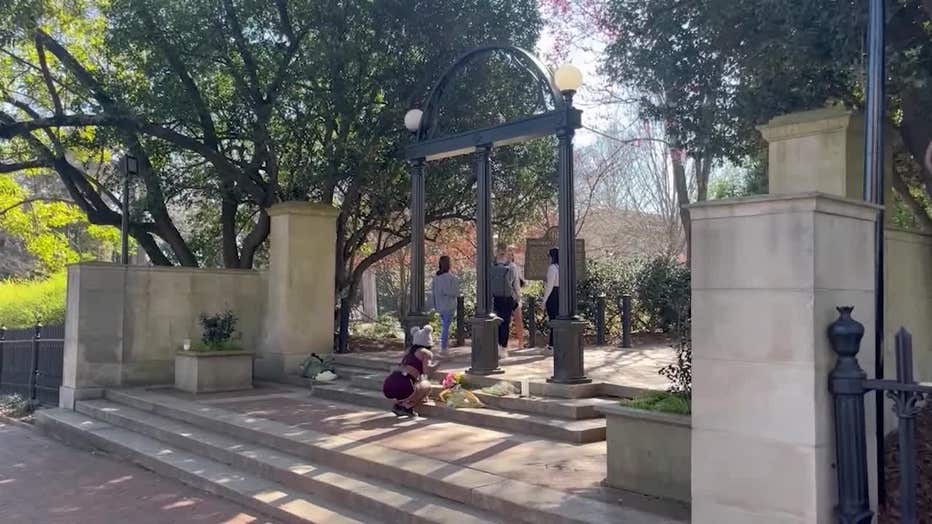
{"points": [[43, 481]]}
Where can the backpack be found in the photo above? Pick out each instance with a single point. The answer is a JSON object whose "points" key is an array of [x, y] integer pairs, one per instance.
{"points": [[500, 279]]}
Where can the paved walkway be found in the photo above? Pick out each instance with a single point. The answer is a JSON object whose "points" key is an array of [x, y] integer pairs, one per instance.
{"points": [[46, 482], [636, 367]]}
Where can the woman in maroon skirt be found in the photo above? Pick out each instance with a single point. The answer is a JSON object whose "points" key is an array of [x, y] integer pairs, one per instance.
{"points": [[408, 384]]}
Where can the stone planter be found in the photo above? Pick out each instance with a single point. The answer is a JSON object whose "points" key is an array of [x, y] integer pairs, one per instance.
{"points": [[212, 371], [648, 451]]}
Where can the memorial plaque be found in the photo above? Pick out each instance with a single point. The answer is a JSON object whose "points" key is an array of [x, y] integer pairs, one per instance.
{"points": [[536, 259]]}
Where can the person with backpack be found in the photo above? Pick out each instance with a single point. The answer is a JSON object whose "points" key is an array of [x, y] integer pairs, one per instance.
{"points": [[503, 283]]}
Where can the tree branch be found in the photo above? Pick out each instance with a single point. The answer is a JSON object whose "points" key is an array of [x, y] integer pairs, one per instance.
{"points": [[19, 166], [31, 200]]}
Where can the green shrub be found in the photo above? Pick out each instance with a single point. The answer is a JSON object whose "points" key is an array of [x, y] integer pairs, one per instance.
{"points": [[387, 326], [16, 406], [218, 332], [663, 402], [662, 289], [25, 302]]}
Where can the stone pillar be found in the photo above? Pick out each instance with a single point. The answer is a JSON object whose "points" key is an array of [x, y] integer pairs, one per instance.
{"points": [[301, 296], [93, 352], [370, 295], [767, 274]]}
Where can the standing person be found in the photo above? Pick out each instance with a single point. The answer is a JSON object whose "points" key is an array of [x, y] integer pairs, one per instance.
{"points": [[408, 383], [505, 293], [517, 316], [444, 289], [552, 291]]}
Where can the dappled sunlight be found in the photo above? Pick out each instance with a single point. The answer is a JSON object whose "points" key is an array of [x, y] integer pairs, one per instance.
{"points": [[180, 504], [270, 496]]}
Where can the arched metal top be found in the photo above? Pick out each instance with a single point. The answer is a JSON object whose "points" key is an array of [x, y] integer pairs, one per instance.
{"points": [[531, 63]]}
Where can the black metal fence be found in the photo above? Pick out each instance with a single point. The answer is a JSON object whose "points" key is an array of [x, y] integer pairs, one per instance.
{"points": [[849, 384], [31, 362]]}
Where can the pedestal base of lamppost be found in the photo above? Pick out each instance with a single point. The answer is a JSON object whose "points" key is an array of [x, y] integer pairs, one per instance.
{"points": [[568, 352], [418, 320], [485, 346]]}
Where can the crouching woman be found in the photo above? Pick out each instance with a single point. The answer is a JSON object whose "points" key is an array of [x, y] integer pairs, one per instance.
{"points": [[408, 383]]}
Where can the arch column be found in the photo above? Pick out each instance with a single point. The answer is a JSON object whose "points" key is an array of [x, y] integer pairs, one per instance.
{"points": [[568, 328], [485, 323], [416, 314]]}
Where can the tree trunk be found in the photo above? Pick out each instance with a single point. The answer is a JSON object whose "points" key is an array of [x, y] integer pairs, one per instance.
{"points": [[228, 206], [682, 197]]}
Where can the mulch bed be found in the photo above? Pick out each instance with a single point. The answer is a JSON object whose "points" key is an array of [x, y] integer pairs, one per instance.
{"points": [[370, 345], [890, 513]]}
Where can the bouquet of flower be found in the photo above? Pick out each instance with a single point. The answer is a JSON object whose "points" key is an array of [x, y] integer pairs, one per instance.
{"points": [[454, 395]]}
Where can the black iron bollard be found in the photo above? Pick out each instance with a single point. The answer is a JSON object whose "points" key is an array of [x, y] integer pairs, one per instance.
{"points": [[34, 365], [906, 408], [343, 338], [846, 383], [460, 321], [600, 320], [625, 321], [532, 321]]}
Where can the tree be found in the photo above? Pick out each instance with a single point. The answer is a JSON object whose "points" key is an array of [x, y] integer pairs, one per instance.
{"points": [[234, 105]]}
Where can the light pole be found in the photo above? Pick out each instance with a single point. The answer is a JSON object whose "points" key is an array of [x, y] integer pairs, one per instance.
{"points": [[130, 167], [567, 327], [873, 193], [416, 315]]}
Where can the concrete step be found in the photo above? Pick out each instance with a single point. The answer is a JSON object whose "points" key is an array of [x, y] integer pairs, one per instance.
{"points": [[375, 497], [512, 500], [266, 497], [574, 431], [572, 409]]}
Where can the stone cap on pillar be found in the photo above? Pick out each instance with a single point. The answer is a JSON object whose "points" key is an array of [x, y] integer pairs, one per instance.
{"points": [[774, 204], [297, 207], [823, 151]]}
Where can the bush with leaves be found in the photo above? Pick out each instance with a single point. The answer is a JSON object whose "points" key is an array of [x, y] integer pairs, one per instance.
{"points": [[218, 331], [680, 373], [662, 289]]}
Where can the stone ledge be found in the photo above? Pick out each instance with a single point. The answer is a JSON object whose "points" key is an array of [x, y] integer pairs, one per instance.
{"points": [[208, 354], [807, 123], [673, 419], [164, 269], [782, 204], [303, 208]]}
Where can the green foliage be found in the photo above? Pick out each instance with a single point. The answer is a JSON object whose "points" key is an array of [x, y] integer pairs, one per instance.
{"points": [[217, 331], [387, 326], [662, 289], [16, 406], [680, 373], [25, 302], [663, 402]]}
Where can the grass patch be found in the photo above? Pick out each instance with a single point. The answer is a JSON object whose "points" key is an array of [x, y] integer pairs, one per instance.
{"points": [[662, 402], [25, 302]]}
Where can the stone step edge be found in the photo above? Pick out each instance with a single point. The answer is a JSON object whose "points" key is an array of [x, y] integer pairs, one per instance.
{"points": [[571, 431], [197, 472], [372, 496], [476, 488], [568, 409]]}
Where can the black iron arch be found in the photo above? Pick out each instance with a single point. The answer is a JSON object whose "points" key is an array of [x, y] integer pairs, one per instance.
{"points": [[430, 147]]}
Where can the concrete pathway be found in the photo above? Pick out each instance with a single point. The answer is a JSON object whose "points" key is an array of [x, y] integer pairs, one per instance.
{"points": [[43, 481], [637, 367]]}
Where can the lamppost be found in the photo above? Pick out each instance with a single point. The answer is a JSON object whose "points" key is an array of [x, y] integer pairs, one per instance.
{"points": [[567, 327], [130, 167], [416, 315]]}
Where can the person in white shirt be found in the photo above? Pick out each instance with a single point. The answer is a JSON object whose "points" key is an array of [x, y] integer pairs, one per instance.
{"points": [[516, 317], [552, 291]]}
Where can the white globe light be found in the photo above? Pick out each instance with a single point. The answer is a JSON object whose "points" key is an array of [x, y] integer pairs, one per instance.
{"points": [[567, 77], [413, 120]]}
